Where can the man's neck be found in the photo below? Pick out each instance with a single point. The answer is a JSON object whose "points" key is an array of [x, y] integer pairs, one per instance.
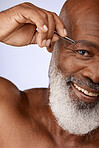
{"points": [[69, 140]]}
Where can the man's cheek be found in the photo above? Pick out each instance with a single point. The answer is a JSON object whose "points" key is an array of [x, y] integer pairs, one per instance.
{"points": [[70, 65]]}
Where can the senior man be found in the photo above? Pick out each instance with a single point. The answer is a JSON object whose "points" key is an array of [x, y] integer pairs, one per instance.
{"points": [[65, 115]]}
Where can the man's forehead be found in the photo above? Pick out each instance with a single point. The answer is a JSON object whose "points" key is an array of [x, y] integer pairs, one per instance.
{"points": [[75, 9], [81, 18]]}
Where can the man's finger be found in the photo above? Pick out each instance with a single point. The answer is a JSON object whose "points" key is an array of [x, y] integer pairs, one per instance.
{"points": [[60, 28], [26, 14]]}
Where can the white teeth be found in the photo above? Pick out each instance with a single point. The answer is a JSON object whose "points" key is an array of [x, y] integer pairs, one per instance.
{"points": [[86, 92]]}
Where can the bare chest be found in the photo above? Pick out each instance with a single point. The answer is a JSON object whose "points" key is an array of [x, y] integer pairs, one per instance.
{"points": [[22, 133], [25, 136]]}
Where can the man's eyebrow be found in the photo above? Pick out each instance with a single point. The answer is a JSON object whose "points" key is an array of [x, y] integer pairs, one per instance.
{"points": [[87, 43]]}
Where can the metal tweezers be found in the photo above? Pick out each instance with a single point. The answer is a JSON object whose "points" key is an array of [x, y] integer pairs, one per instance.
{"points": [[66, 38]]}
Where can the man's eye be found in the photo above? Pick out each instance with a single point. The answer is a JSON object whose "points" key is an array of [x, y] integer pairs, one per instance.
{"points": [[83, 52]]}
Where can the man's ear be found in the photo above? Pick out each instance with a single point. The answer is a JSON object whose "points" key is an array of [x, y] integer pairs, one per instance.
{"points": [[51, 47]]}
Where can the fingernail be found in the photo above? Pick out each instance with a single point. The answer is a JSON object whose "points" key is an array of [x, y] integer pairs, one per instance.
{"points": [[65, 32], [44, 43], [45, 28], [48, 42]]}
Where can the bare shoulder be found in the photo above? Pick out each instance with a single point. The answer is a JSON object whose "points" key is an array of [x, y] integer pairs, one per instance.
{"points": [[12, 98], [12, 106], [8, 92], [23, 120], [13, 102], [37, 96], [17, 102]]}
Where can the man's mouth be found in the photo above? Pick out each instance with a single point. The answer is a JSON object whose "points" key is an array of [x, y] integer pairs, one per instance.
{"points": [[86, 92], [86, 95]]}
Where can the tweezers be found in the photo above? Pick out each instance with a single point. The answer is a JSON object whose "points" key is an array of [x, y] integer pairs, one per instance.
{"points": [[66, 38]]}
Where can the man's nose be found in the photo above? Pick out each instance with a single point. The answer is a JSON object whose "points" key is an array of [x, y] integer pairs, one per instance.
{"points": [[92, 72]]}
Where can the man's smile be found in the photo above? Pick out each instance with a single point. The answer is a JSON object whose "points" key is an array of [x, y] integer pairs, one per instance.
{"points": [[85, 94]]}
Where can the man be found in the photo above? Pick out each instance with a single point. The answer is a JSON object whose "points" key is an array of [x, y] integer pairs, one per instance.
{"points": [[66, 115]]}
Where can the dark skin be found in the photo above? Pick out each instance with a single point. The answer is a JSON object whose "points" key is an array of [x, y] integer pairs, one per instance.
{"points": [[26, 119]]}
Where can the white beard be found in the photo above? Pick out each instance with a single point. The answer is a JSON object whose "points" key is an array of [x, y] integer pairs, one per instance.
{"points": [[75, 121]]}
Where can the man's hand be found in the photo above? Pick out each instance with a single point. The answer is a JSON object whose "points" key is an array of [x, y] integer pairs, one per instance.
{"points": [[27, 24]]}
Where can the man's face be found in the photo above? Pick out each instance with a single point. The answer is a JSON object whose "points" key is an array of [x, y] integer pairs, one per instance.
{"points": [[74, 77], [81, 61]]}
